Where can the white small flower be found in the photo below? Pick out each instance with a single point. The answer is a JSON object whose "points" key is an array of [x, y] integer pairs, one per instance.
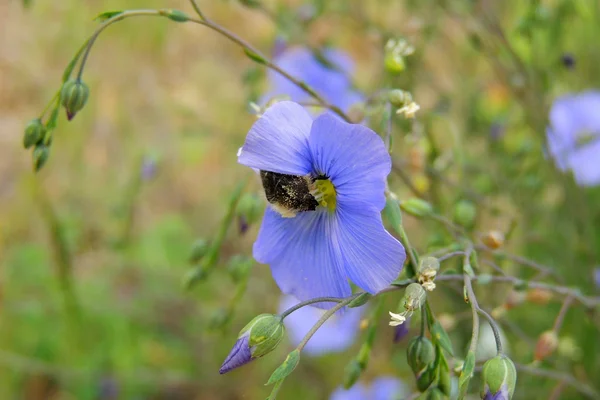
{"points": [[409, 110], [397, 319], [428, 285]]}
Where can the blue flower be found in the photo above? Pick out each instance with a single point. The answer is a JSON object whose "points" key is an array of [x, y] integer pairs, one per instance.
{"points": [[574, 136], [383, 388], [327, 76], [335, 335], [325, 181]]}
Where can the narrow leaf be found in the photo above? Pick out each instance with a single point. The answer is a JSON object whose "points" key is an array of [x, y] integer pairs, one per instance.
{"points": [[286, 368], [440, 337], [106, 15], [255, 56]]}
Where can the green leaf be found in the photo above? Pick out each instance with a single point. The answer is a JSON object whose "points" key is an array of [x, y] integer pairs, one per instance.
{"points": [[402, 282], [255, 56], [466, 374], [286, 368], [392, 212], [440, 337], [106, 15], [360, 300]]}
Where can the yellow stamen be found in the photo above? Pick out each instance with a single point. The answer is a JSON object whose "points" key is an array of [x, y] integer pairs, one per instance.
{"points": [[324, 192]]}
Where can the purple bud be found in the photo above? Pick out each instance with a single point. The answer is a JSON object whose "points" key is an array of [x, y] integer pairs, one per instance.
{"points": [[568, 60], [501, 394], [148, 169], [243, 224], [401, 331], [238, 356]]}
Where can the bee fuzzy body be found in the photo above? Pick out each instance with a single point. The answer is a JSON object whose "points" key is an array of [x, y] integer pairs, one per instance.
{"points": [[288, 194]]}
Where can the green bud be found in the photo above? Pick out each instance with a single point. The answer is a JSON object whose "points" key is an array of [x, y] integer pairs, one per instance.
{"points": [[498, 374], [445, 380], [465, 213], [399, 98], [360, 300], [416, 207], [219, 319], [425, 379], [199, 250], [414, 296], [394, 63], [175, 15], [266, 332], [73, 96], [434, 394], [249, 209], [420, 354], [429, 266], [352, 372], [34, 133], [239, 266], [40, 156]]}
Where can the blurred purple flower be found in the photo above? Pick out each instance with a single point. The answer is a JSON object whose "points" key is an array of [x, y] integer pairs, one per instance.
{"points": [[597, 277], [148, 169], [383, 388], [401, 331], [574, 136], [314, 250], [327, 74], [335, 335]]}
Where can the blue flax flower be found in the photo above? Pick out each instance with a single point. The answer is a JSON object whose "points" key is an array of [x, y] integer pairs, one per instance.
{"points": [[383, 388], [574, 136], [325, 182], [335, 335], [326, 74]]}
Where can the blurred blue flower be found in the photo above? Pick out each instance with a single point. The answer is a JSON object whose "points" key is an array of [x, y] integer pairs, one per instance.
{"points": [[314, 250], [327, 74], [574, 136], [335, 335], [383, 388]]}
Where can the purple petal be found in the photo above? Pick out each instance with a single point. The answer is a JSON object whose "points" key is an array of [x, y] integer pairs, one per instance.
{"points": [[238, 356], [356, 392], [501, 394], [388, 388], [401, 331], [372, 257], [330, 81], [353, 157], [335, 335], [303, 254], [278, 141], [585, 163]]}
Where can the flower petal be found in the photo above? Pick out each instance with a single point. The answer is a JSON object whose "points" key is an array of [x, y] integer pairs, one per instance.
{"points": [[303, 254], [372, 257], [356, 392], [388, 388], [353, 157], [278, 141], [335, 335], [239, 355]]}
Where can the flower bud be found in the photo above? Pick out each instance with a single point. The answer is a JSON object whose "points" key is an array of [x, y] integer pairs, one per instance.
{"points": [[434, 394], [249, 210], [239, 266], [352, 372], [539, 296], [425, 379], [429, 267], [399, 98], [199, 250], [73, 96], [499, 377], [546, 345], [416, 207], [218, 319], [261, 336], [40, 156], [420, 353], [34, 133], [465, 213], [493, 239], [414, 296]]}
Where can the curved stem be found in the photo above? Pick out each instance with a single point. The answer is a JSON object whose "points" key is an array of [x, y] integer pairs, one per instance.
{"points": [[474, 307], [495, 329], [313, 301], [322, 320]]}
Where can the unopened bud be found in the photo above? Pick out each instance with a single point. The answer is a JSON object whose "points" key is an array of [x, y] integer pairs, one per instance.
{"points": [[199, 250], [546, 345], [352, 372], [499, 377], [399, 98], [428, 267], [420, 353], [425, 380], [261, 336], [249, 209], [73, 96], [416, 207], [40, 156], [465, 213], [218, 319], [493, 239], [434, 394], [34, 133], [539, 296], [239, 267]]}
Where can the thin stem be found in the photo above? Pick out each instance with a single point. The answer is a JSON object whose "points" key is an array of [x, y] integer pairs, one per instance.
{"points": [[196, 8], [410, 252], [450, 255], [474, 307], [423, 318], [561, 314], [313, 301], [521, 260], [275, 390], [321, 321], [404, 177], [53, 101], [495, 328]]}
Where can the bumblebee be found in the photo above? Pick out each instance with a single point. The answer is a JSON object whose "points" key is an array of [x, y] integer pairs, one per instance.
{"points": [[289, 194]]}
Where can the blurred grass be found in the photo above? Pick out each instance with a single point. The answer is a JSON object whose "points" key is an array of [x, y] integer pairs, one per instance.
{"points": [[176, 92]]}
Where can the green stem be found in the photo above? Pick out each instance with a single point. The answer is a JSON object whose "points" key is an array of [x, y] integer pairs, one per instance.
{"points": [[473, 302], [321, 321], [413, 265], [315, 300]]}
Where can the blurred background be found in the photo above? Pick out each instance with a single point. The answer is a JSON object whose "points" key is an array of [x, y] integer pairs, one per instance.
{"points": [[95, 247]]}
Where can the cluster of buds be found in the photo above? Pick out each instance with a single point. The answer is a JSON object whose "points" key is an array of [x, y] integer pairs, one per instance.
{"points": [[395, 52], [404, 102], [414, 297], [261, 336], [428, 269], [499, 377]]}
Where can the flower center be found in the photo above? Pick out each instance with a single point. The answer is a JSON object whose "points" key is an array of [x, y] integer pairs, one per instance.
{"points": [[324, 193]]}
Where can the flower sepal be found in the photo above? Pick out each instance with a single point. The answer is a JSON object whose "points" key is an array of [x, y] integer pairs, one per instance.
{"points": [[499, 377]]}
